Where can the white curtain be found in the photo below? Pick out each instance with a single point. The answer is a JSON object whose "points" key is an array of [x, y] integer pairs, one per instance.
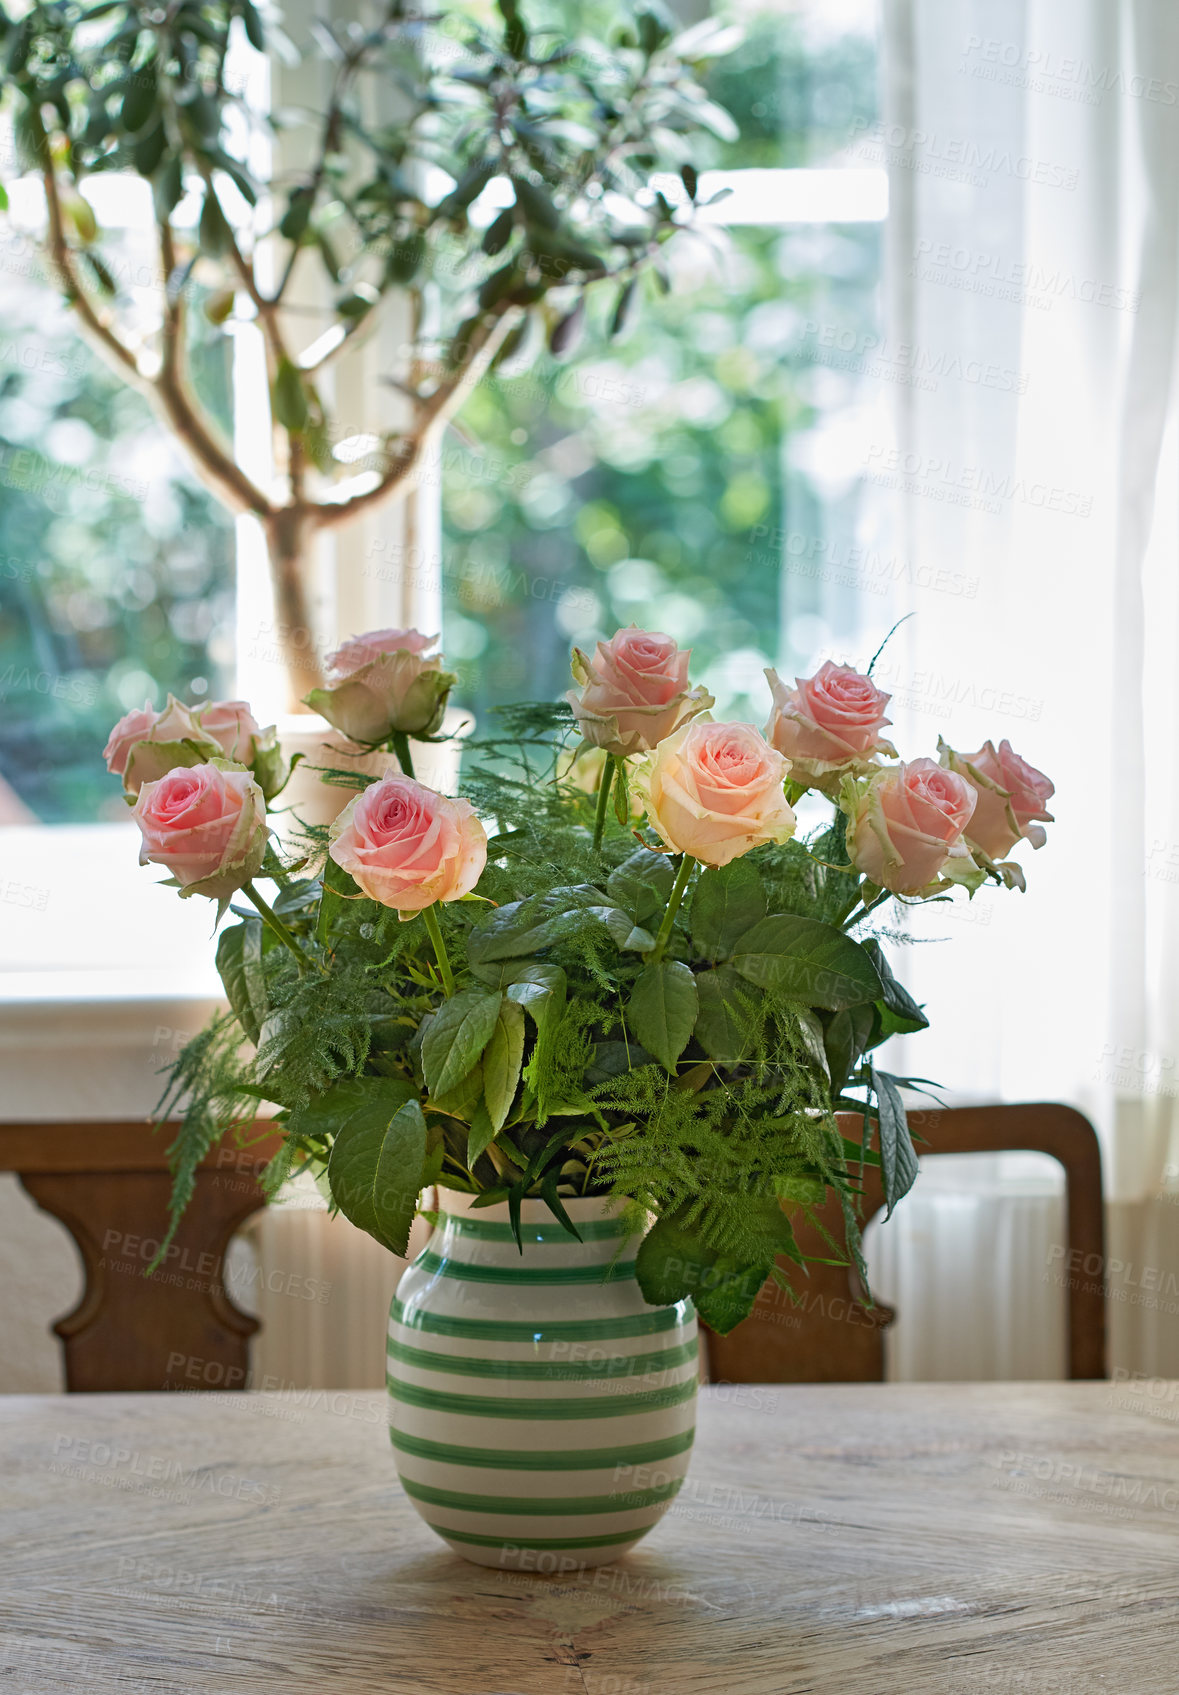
{"points": [[1028, 453]]}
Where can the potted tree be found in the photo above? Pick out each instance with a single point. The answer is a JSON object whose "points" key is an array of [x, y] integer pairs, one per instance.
{"points": [[481, 181]]}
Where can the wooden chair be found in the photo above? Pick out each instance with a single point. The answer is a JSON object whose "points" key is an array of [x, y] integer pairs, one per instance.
{"points": [[108, 1183], [832, 1337]]}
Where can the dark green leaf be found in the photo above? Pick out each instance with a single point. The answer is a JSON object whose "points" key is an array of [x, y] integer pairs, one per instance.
{"points": [[499, 232], [810, 962], [168, 188], [690, 180], [903, 1015], [456, 1037], [536, 204], [239, 965], [673, 1264], [898, 1161], [662, 1009], [255, 34], [298, 214], [139, 102], [726, 902], [623, 307], [728, 1020], [846, 1035], [376, 1171], [642, 883], [290, 397], [215, 235], [481, 1136], [21, 44], [149, 150], [502, 1061]]}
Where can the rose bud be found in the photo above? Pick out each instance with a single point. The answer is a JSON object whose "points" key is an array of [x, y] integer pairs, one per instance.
{"points": [[1011, 796], [905, 827], [207, 825], [407, 847], [384, 683], [145, 745], [232, 725], [716, 790], [634, 692], [828, 725]]}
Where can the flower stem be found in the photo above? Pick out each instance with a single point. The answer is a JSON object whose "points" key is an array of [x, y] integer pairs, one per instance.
{"points": [[855, 917], [274, 923], [605, 784], [440, 953], [686, 867], [401, 748]]}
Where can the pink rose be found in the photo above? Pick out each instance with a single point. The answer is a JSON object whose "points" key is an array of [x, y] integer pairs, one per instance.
{"points": [[145, 745], [408, 847], [905, 826], [384, 683], [134, 726], [207, 825], [634, 692], [1011, 796], [829, 723], [716, 790], [232, 725]]}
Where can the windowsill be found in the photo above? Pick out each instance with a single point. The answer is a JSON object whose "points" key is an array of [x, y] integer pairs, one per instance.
{"points": [[103, 974]]}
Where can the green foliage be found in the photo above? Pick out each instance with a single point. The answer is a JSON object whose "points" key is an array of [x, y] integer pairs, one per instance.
{"points": [[568, 1060]]}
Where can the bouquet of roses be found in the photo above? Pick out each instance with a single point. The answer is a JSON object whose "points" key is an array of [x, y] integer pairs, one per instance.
{"points": [[613, 967]]}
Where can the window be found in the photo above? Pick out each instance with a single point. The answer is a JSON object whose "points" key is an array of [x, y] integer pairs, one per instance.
{"points": [[116, 567], [700, 474]]}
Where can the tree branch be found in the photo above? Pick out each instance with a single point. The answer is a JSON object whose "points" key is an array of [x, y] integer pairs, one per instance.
{"points": [[221, 471], [401, 473], [104, 340]]}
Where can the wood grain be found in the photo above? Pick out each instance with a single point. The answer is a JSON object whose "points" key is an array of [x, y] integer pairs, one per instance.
{"points": [[950, 1539]]}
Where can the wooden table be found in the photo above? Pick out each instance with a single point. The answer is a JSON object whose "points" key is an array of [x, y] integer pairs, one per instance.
{"points": [[847, 1540]]}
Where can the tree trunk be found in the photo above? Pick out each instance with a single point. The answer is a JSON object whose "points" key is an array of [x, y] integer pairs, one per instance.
{"points": [[288, 535]]}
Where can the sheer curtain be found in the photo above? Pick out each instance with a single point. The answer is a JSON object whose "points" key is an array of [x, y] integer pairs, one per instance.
{"points": [[1030, 460]]}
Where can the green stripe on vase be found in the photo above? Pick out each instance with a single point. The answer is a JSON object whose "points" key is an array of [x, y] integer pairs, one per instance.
{"points": [[546, 1235], [541, 1506], [547, 1329], [545, 1459], [617, 1271], [544, 1544], [616, 1366], [538, 1411]]}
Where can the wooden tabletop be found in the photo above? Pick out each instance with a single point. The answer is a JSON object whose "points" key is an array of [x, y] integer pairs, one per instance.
{"points": [[850, 1540]]}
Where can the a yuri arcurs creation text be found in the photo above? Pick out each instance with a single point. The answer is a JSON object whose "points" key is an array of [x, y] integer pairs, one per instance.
{"points": [[612, 967]]}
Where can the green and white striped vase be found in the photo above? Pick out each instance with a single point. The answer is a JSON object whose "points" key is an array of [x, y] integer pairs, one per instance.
{"points": [[541, 1412]]}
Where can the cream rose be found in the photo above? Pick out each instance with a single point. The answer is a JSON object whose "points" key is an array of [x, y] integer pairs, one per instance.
{"points": [[829, 724], [207, 825], [716, 790], [905, 827], [145, 745], [384, 683], [408, 847], [1011, 796], [634, 691]]}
